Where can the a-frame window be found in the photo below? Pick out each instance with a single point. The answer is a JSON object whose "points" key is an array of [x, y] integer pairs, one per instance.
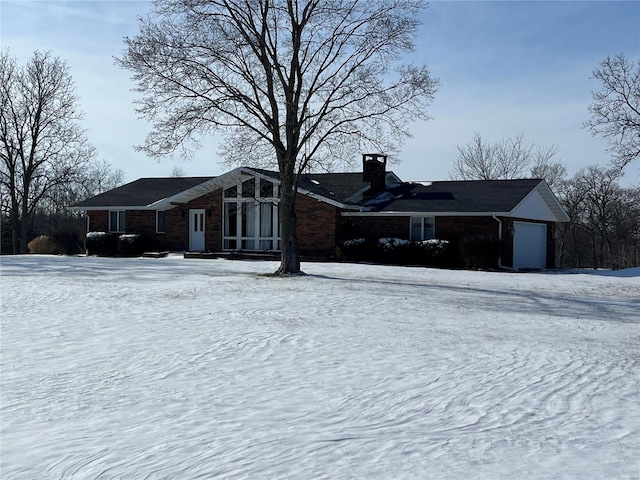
{"points": [[250, 214]]}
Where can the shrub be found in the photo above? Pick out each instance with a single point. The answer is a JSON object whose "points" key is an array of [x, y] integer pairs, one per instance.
{"points": [[131, 245], [44, 245], [480, 251], [69, 241], [356, 250], [397, 251], [102, 244]]}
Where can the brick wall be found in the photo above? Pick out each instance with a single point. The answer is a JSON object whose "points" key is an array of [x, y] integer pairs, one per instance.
{"points": [[98, 221], [317, 223], [450, 228], [177, 223], [447, 228], [373, 227], [176, 236]]}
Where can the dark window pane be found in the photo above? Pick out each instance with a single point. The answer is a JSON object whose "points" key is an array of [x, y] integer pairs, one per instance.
{"points": [[121, 221], [249, 188], [113, 221], [429, 228], [266, 188], [416, 229], [161, 222], [231, 192], [230, 219]]}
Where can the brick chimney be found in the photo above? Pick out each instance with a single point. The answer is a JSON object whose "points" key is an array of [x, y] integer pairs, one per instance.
{"points": [[374, 171]]}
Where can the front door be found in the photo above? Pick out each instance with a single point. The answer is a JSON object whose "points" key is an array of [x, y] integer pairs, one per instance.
{"points": [[196, 230]]}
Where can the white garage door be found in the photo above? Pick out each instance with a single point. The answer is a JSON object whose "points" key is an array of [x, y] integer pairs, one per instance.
{"points": [[529, 245]]}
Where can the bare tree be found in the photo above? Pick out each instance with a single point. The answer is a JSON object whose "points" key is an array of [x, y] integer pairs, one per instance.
{"points": [[615, 110], [41, 145], [177, 171], [604, 231], [51, 216], [554, 173], [625, 231], [476, 161], [507, 159], [601, 191], [570, 251], [98, 177], [299, 83]]}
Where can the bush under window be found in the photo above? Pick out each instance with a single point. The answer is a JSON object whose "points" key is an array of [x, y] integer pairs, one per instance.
{"points": [[396, 251]]}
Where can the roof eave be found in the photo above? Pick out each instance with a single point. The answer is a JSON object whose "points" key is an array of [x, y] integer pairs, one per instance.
{"points": [[110, 207], [550, 199], [396, 213]]}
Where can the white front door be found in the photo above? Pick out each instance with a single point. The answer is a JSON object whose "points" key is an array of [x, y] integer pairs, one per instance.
{"points": [[196, 230], [529, 245]]}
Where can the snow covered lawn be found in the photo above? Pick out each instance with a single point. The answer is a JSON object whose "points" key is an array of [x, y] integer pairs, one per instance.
{"points": [[182, 369]]}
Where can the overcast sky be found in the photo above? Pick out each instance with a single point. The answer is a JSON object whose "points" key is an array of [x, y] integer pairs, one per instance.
{"points": [[505, 68]]}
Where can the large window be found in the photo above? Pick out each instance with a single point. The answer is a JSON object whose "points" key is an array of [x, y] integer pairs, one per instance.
{"points": [[117, 221], [250, 212], [422, 228]]}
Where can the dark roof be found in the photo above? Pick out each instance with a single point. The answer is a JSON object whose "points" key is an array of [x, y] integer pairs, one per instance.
{"points": [[335, 186], [454, 196], [340, 186], [142, 192], [445, 196]]}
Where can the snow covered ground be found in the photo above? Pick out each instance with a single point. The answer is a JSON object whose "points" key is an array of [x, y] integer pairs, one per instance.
{"points": [[183, 369]]}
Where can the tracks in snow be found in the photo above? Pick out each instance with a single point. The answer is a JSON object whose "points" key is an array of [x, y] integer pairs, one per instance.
{"points": [[242, 376]]}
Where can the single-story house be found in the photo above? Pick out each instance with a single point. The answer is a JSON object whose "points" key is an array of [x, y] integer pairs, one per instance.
{"points": [[238, 212]]}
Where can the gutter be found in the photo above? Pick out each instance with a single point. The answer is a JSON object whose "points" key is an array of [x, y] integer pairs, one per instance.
{"points": [[511, 269]]}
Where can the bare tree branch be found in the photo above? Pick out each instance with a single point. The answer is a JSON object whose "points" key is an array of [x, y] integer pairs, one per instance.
{"points": [[508, 159], [42, 147], [615, 110], [295, 82]]}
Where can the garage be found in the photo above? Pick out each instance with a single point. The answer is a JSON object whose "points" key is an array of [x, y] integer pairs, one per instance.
{"points": [[529, 245]]}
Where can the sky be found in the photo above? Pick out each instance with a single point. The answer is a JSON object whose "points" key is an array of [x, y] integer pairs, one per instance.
{"points": [[505, 68]]}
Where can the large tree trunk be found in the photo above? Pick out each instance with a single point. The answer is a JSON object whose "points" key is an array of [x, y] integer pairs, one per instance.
{"points": [[25, 220], [15, 231], [290, 257], [24, 229]]}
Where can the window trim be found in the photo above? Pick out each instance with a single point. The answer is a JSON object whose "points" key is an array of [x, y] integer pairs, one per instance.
{"points": [[422, 223], [121, 218], [257, 200]]}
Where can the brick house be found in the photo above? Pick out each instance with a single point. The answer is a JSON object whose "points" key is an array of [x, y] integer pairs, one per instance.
{"points": [[238, 212]]}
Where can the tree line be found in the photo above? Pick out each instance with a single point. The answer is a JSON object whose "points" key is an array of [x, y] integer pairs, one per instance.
{"points": [[46, 160]]}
